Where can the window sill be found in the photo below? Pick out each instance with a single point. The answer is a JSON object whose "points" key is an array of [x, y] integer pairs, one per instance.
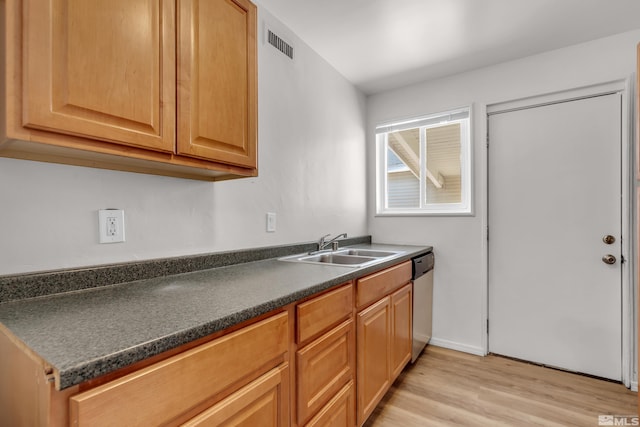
{"points": [[418, 214]]}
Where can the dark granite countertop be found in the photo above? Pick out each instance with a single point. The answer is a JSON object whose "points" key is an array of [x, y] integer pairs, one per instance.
{"points": [[87, 333]]}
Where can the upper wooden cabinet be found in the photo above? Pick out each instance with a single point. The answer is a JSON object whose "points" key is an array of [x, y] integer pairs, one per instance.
{"points": [[217, 93], [139, 85], [102, 69]]}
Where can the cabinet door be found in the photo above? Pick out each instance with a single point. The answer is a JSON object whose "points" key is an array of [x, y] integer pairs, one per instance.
{"points": [[217, 100], [102, 69], [373, 364], [263, 402], [323, 368], [401, 330]]}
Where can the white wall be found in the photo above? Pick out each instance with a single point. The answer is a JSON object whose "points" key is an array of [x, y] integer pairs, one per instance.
{"points": [[460, 278], [312, 174]]}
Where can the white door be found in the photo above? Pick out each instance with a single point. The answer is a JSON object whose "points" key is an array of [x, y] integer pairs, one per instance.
{"points": [[554, 193]]}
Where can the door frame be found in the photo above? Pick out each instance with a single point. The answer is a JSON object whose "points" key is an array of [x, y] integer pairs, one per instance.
{"points": [[629, 306]]}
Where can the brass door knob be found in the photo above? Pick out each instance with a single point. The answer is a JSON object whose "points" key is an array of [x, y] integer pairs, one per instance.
{"points": [[609, 239], [609, 259]]}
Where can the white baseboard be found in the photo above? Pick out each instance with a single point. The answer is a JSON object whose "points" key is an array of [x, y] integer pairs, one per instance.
{"points": [[478, 351], [634, 386]]}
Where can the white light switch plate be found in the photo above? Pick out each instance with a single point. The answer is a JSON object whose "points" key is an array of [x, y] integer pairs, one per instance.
{"points": [[111, 225], [271, 222]]}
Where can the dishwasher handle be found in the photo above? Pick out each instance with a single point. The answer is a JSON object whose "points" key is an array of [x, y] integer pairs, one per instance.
{"points": [[422, 265]]}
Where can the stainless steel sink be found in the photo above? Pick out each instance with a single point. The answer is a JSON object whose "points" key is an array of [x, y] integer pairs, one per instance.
{"points": [[335, 258], [367, 253], [346, 257]]}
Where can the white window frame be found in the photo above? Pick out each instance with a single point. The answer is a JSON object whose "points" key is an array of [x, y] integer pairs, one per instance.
{"points": [[465, 207]]}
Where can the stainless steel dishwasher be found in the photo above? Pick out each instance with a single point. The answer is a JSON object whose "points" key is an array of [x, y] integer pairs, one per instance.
{"points": [[422, 302]]}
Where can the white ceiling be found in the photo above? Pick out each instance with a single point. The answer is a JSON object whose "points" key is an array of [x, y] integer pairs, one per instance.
{"points": [[384, 44]]}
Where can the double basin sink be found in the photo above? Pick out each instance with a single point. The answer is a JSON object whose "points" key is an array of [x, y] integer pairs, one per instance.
{"points": [[346, 257]]}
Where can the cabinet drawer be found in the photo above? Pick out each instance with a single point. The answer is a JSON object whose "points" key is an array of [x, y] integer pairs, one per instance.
{"points": [[324, 367], [372, 288], [163, 391], [320, 314], [262, 402], [340, 411]]}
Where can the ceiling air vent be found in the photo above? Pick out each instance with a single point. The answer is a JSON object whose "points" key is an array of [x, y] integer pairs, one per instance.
{"points": [[280, 44]]}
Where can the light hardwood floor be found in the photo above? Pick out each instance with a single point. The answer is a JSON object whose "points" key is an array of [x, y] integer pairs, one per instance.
{"points": [[450, 388]]}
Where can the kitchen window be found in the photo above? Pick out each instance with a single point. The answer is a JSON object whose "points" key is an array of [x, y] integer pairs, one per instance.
{"points": [[424, 165]]}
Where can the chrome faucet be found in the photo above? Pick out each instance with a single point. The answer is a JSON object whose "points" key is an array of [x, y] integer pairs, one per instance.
{"points": [[323, 243]]}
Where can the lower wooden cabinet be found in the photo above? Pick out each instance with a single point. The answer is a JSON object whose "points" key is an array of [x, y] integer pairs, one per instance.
{"points": [[321, 313], [325, 359], [183, 385], [401, 329], [339, 412], [371, 288], [263, 402], [374, 363], [383, 334], [323, 368]]}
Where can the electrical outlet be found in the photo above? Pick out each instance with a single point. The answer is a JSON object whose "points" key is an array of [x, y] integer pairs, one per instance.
{"points": [[111, 225], [271, 222]]}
